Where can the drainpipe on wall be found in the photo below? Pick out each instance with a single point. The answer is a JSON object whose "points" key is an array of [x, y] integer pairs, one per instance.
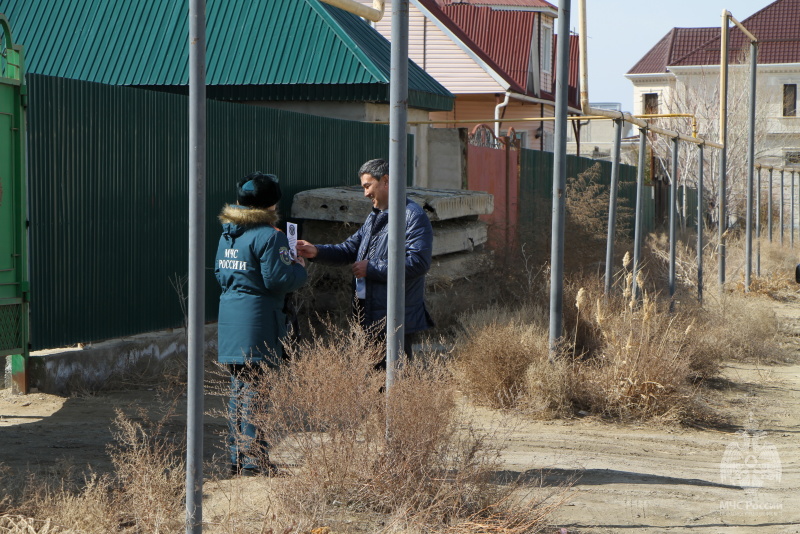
{"points": [[497, 109], [522, 98]]}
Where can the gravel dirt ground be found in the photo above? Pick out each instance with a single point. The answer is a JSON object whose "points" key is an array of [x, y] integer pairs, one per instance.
{"points": [[628, 478]]}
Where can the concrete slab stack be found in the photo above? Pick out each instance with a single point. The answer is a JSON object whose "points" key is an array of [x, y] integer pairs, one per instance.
{"points": [[334, 213]]}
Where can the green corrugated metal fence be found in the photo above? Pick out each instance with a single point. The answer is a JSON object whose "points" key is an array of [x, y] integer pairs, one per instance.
{"points": [[691, 206], [536, 186], [108, 196]]}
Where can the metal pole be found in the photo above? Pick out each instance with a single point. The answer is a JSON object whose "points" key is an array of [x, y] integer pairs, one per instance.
{"points": [[398, 153], [782, 206], [791, 211], [700, 220], [723, 139], [559, 178], [758, 224], [612, 204], [673, 220], [197, 236], [769, 207], [751, 132], [637, 225]]}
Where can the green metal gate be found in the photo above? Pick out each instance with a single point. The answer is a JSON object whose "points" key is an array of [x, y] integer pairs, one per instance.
{"points": [[14, 288]]}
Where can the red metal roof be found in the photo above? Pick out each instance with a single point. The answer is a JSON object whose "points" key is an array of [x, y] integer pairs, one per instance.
{"points": [[540, 4], [777, 27], [502, 39], [676, 44], [504, 36]]}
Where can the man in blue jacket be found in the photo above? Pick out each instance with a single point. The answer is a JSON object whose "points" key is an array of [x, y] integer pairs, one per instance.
{"points": [[368, 252], [255, 270]]}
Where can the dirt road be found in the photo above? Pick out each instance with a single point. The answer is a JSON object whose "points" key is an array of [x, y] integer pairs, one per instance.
{"points": [[641, 479]]}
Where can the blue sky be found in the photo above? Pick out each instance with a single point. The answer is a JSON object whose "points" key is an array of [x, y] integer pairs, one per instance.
{"points": [[622, 31]]}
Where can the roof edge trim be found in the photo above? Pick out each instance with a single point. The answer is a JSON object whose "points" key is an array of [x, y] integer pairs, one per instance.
{"points": [[346, 39]]}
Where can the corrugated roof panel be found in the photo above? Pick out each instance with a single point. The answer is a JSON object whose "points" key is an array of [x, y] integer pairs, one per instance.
{"points": [[377, 50], [249, 43], [541, 4], [655, 60], [676, 44], [777, 27]]}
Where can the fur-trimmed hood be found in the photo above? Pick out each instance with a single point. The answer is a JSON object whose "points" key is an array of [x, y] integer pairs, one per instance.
{"points": [[246, 217]]}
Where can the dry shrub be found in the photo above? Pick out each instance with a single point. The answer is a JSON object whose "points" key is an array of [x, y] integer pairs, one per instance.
{"points": [[733, 325], [144, 494], [496, 348], [149, 475], [739, 327], [619, 358], [325, 413], [645, 368]]}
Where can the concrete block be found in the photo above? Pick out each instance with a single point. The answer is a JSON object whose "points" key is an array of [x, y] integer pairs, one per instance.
{"points": [[348, 204], [448, 236], [458, 236], [446, 269]]}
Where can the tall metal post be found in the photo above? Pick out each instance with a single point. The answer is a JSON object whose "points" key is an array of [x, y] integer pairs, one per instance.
{"points": [[769, 207], [758, 223], [398, 152], [751, 133], [559, 178], [612, 204], [637, 225], [791, 211], [197, 239], [723, 139], [673, 220], [700, 221], [782, 206]]}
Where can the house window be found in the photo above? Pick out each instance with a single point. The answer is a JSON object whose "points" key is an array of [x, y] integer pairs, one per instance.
{"points": [[650, 103], [547, 49], [789, 99]]}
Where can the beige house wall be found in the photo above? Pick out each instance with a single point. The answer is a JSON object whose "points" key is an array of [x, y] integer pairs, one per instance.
{"points": [[438, 55]]}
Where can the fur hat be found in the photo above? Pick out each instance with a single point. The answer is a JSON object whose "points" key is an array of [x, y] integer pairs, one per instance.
{"points": [[258, 190]]}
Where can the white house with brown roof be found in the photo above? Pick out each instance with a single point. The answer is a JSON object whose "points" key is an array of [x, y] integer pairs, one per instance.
{"points": [[681, 74]]}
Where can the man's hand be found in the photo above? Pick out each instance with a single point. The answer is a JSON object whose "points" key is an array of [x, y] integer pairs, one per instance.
{"points": [[306, 249], [360, 268], [300, 260]]}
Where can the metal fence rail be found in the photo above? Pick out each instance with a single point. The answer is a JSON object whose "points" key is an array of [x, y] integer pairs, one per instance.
{"points": [[108, 196]]}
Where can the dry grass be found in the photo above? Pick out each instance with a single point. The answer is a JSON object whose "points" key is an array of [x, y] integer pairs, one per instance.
{"points": [[326, 414], [144, 494], [619, 358]]}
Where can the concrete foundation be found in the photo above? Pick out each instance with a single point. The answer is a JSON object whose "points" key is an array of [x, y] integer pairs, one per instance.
{"points": [[95, 366]]}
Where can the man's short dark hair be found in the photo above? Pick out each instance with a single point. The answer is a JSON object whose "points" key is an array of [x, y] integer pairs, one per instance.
{"points": [[377, 168]]}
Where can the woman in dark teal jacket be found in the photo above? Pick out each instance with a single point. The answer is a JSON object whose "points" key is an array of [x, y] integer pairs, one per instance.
{"points": [[255, 271]]}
